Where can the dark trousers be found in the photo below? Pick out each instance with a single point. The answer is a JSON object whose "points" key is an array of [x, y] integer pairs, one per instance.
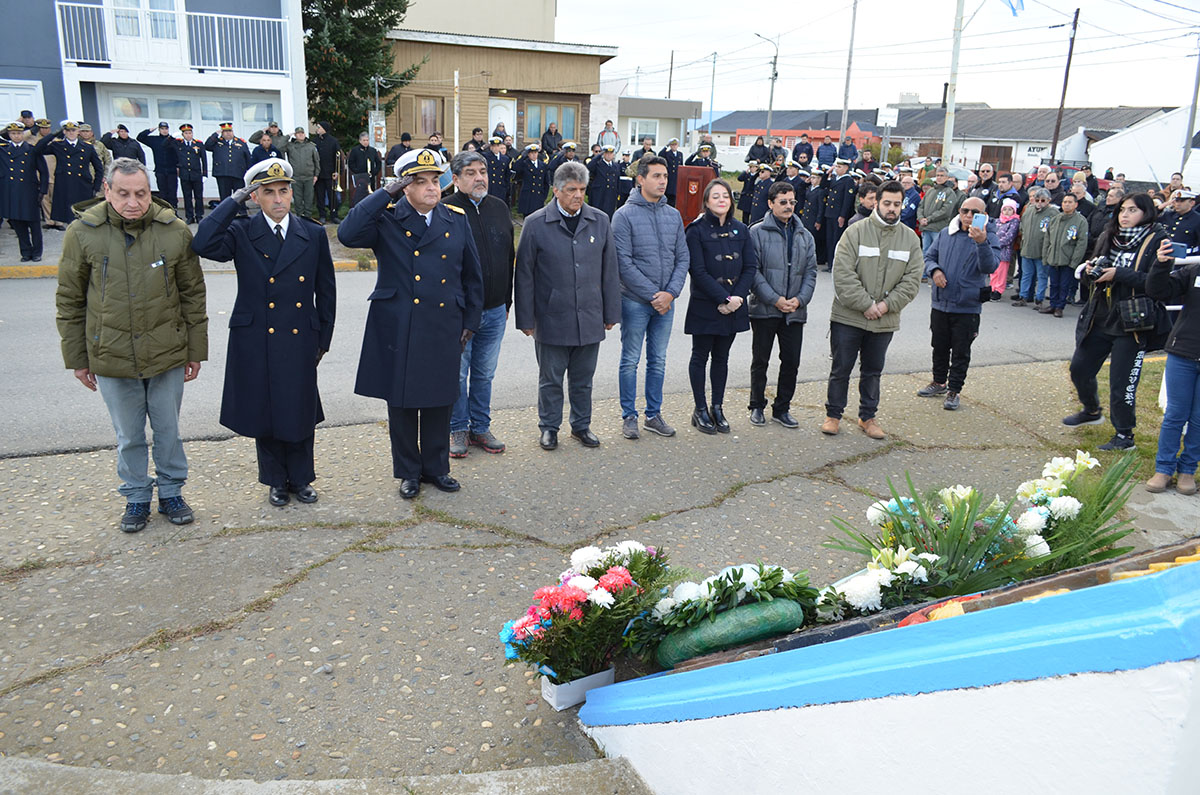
{"points": [[29, 237], [225, 188], [1062, 281], [706, 347], [578, 364], [1124, 372], [168, 186], [848, 344], [951, 335], [764, 332], [420, 441], [327, 205], [193, 198], [833, 233], [361, 186], [282, 464], [819, 239]]}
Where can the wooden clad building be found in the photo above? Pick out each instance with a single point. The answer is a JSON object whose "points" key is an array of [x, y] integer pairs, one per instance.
{"points": [[523, 83]]}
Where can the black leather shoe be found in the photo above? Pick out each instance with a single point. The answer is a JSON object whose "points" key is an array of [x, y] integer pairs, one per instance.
{"points": [[26, 259], [702, 421], [279, 497], [305, 494], [37, 258], [442, 482], [586, 437], [718, 417], [410, 488], [785, 419], [549, 440], [757, 418]]}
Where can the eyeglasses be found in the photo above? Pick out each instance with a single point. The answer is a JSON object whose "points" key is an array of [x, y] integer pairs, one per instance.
{"points": [[965, 211], [786, 201]]}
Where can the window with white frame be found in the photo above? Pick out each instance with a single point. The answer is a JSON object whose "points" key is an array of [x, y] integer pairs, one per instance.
{"points": [[640, 129]]}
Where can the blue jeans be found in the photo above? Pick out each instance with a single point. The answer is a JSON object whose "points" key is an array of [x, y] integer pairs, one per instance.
{"points": [[130, 401], [1031, 269], [472, 410], [927, 240], [641, 321], [1062, 277], [1183, 407]]}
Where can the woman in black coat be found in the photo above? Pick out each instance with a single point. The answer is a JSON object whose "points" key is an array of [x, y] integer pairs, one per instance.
{"points": [[759, 151], [1124, 254], [723, 263]]}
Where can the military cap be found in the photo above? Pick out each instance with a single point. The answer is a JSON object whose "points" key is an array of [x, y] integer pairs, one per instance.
{"points": [[495, 139], [420, 161], [532, 148], [567, 145], [26, 114], [122, 127], [672, 141], [858, 172], [226, 125], [185, 127], [752, 163], [803, 173], [70, 125], [885, 165], [299, 130], [906, 169], [162, 124], [627, 153], [15, 126], [1185, 195], [608, 148], [703, 147], [84, 127], [44, 123], [789, 163], [842, 161], [273, 169]]}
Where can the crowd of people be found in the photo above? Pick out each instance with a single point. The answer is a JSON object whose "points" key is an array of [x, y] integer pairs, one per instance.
{"points": [[587, 261]]}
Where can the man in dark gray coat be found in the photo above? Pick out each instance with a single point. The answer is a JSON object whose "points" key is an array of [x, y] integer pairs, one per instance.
{"points": [[567, 295]]}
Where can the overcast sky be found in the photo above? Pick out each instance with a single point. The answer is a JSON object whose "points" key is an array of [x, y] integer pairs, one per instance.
{"points": [[1140, 52]]}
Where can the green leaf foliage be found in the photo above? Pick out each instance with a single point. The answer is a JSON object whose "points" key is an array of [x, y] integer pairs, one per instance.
{"points": [[345, 45]]}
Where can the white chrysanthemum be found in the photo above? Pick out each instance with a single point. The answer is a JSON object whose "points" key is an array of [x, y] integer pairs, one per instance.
{"points": [[627, 548], [914, 570], [585, 558], [955, 494], [1084, 461], [663, 606], [1036, 546], [583, 582], [686, 591], [1065, 507], [787, 575], [877, 514], [1032, 521], [929, 557], [601, 597], [881, 575], [863, 593]]}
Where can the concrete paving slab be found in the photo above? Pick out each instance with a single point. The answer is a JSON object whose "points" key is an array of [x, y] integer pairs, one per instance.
{"points": [[64, 616], [1164, 518], [997, 471], [784, 522], [1034, 396], [417, 682]]}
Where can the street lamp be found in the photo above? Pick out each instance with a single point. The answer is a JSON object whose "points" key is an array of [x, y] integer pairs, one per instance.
{"points": [[774, 76]]}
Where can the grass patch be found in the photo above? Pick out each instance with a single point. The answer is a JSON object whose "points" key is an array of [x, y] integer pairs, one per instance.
{"points": [[1149, 418]]}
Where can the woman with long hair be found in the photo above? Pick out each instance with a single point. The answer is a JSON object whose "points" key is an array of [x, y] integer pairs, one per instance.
{"points": [[1116, 275], [723, 263]]}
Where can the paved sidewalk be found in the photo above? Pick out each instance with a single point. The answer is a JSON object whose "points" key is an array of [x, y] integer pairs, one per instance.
{"points": [[356, 638]]}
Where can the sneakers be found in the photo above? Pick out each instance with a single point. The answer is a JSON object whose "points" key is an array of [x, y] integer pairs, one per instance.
{"points": [[458, 444], [1120, 441], [831, 426], [487, 441], [657, 425], [951, 401], [629, 428], [1083, 418], [1158, 483], [932, 390], [871, 428], [135, 517], [176, 510]]}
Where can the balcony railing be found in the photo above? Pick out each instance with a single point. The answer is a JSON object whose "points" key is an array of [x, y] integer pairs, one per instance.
{"points": [[92, 34]]}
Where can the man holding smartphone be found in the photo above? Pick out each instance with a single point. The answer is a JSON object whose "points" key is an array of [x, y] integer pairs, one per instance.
{"points": [[958, 264]]}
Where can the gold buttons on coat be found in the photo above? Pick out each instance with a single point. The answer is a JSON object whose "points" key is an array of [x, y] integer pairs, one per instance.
{"points": [[299, 305], [447, 234], [416, 300], [441, 304], [417, 253], [271, 305], [270, 331], [417, 277], [443, 256], [443, 281], [295, 331], [407, 234], [301, 278], [271, 280]]}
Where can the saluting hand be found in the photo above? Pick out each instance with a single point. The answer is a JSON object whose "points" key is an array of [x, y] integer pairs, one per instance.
{"points": [[241, 194]]}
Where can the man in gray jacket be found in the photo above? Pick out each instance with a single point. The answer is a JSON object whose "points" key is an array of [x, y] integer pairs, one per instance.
{"points": [[958, 264], [653, 257], [306, 165], [567, 295], [783, 288]]}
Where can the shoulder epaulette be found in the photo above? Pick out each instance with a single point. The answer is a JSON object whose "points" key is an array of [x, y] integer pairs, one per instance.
{"points": [[455, 208]]}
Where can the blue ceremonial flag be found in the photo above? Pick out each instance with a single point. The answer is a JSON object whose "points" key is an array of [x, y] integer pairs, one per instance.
{"points": [[1015, 5]]}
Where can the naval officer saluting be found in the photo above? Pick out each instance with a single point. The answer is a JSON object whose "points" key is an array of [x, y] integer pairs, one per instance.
{"points": [[426, 306], [280, 327]]}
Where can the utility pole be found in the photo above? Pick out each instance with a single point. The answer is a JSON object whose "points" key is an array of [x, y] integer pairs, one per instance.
{"points": [[849, 62], [712, 93], [1191, 125], [1063, 100], [948, 126], [637, 82], [774, 77], [671, 74]]}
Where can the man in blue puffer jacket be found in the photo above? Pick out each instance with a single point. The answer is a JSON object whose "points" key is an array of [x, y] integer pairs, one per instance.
{"points": [[653, 258], [958, 263]]}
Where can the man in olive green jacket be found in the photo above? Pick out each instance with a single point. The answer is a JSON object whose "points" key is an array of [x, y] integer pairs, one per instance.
{"points": [[938, 206], [1035, 221], [306, 165], [876, 273], [131, 315], [1064, 246]]}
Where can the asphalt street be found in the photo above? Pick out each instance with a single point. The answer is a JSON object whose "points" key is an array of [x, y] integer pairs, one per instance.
{"points": [[47, 410]]}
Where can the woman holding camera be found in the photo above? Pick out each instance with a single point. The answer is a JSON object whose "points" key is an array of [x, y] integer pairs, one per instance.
{"points": [[1119, 318], [1182, 373]]}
